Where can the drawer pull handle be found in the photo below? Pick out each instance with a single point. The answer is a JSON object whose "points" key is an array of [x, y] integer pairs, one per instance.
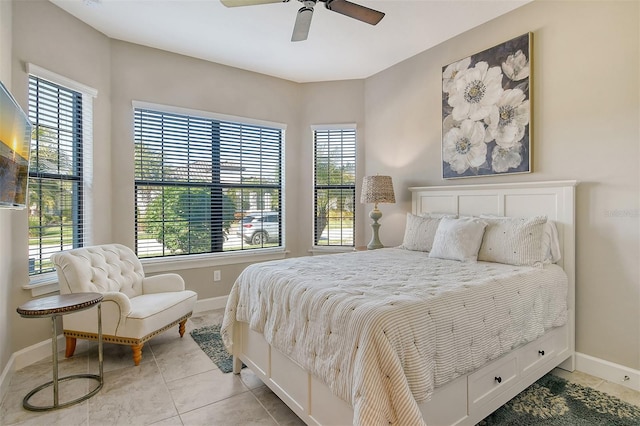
{"points": [[499, 379], [541, 353]]}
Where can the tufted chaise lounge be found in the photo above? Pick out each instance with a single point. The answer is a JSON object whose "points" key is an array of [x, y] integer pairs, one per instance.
{"points": [[135, 308]]}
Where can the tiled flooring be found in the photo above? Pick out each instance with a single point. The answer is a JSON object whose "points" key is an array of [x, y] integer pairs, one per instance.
{"points": [[175, 384]]}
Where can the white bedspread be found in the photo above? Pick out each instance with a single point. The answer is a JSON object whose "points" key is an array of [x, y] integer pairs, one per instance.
{"points": [[384, 328]]}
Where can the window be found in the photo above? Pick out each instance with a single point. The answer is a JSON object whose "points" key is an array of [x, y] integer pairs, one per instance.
{"points": [[334, 185], [205, 185], [60, 159]]}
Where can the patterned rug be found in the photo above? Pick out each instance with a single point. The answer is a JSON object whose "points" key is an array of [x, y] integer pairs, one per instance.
{"points": [[210, 341], [551, 401], [555, 402]]}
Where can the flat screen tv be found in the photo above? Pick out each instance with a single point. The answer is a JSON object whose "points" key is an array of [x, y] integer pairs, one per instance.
{"points": [[15, 143]]}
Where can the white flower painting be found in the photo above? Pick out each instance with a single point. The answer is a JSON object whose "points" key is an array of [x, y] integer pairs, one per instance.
{"points": [[486, 113]]}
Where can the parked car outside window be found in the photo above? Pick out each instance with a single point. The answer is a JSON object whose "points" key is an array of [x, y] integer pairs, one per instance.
{"points": [[260, 228]]}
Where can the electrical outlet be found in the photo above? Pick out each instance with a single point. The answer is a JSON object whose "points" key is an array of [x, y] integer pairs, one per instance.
{"points": [[216, 275]]}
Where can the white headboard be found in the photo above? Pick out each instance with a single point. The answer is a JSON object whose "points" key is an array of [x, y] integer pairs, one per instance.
{"points": [[556, 200]]}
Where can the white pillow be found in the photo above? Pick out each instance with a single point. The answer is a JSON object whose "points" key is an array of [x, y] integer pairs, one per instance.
{"points": [[513, 240], [550, 243], [458, 239], [419, 232]]}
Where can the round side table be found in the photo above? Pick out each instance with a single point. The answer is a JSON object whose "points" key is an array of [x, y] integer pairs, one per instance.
{"points": [[53, 307]]}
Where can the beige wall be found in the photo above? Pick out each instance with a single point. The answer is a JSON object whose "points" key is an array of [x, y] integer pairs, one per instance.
{"points": [[81, 54], [337, 102], [150, 75], [585, 127], [124, 72]]}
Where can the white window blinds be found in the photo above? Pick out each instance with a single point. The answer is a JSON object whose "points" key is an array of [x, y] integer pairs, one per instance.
{"points": [[58, 165], [198, 178], [334, 185]]}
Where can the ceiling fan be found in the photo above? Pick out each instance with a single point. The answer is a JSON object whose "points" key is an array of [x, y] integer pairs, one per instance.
{"points": [[303, 20]]}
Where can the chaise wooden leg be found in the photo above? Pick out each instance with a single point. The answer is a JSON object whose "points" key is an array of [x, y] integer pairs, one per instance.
{"points": [[137, 353], [70, 347], [181, 327]]}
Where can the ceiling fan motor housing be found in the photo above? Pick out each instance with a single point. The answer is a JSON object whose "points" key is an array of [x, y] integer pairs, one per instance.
{"points": [[308, 5]]}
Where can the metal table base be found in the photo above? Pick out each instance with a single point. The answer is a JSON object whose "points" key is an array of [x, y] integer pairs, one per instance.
{"points": [[28, 311]]}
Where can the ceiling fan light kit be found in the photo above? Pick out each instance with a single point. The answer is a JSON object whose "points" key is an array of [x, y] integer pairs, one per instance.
{"points": [[305, 13]]}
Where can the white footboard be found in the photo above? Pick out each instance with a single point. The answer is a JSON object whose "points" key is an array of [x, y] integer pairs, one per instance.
{"points": [[465, 401]]}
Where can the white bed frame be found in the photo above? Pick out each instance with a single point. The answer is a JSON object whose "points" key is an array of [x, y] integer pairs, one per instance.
{"points": [[469, 398]]}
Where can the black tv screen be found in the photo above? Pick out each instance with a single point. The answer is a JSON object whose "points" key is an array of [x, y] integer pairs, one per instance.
{"points": [[15, 143]]}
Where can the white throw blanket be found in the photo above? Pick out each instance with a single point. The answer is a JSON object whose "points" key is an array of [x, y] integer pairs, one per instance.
{"points": [[384, 328]]}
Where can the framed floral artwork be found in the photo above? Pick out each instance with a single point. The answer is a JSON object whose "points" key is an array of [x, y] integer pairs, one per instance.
{"points": [[486, 112]]}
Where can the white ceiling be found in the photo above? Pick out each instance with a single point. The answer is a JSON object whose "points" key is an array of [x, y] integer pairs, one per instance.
{"points": [[257, 38]]}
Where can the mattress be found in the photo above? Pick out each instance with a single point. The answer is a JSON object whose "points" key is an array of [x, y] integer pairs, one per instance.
{"points": [[382, 329]]}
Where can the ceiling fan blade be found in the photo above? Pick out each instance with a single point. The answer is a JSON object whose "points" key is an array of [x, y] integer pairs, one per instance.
{"points": [[352, 10], [302, 25], [236, 3]]}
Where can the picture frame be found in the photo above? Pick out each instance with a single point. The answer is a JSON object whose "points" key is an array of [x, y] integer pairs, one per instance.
{"points": [[486, 112]]}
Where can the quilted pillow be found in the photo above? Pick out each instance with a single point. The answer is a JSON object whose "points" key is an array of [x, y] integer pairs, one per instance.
{"points": [[513, 240], [419, 232], [458, 239]]}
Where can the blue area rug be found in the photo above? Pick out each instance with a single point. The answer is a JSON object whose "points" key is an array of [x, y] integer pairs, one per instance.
{"points": [[210, 341]]}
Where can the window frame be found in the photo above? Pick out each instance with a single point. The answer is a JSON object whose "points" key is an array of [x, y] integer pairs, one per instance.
{"points": [[46, 282], [188, 261], [334, 127]]}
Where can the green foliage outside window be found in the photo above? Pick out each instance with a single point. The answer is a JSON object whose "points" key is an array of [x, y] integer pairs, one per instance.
{"points": [[181, 219]]}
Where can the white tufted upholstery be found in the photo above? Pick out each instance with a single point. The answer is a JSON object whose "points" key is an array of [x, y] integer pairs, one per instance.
{"points": [[134, 309]]}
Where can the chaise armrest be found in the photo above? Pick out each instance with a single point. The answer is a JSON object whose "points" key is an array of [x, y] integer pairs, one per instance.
{"points": [[162, 283], [120, 299]]}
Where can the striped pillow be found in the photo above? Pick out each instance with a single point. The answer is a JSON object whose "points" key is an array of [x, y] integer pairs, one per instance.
{"points": [[513, 240], [419, 232]]}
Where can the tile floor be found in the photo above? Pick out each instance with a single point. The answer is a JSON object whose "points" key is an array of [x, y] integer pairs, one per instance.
{"points": [[175, 384]]}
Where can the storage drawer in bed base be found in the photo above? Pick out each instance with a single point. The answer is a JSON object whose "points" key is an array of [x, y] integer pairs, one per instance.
{"points": [[464, 401]]}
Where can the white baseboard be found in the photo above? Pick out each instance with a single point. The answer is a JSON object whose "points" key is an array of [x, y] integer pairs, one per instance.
{"points": [[211, 304], [609, 371], [6, 376]]}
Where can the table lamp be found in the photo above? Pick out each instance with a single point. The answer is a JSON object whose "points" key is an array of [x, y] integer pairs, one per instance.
{"points": [[376, 189]]}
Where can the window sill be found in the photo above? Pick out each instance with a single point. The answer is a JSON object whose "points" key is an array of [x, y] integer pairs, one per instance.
{"points": [[43, 284], [177, 263], [48, 283]]}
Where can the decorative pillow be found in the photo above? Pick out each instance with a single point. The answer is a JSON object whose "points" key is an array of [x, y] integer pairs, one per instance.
{"points": [[550, 243], [514, 241], [419, 232], [458, 239]]}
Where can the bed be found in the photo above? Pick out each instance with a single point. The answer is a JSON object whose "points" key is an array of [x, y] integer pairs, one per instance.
{"points": [[361, 338]]}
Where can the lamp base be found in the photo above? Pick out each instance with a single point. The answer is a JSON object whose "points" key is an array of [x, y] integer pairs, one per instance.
{"points": [[375, 226]]}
